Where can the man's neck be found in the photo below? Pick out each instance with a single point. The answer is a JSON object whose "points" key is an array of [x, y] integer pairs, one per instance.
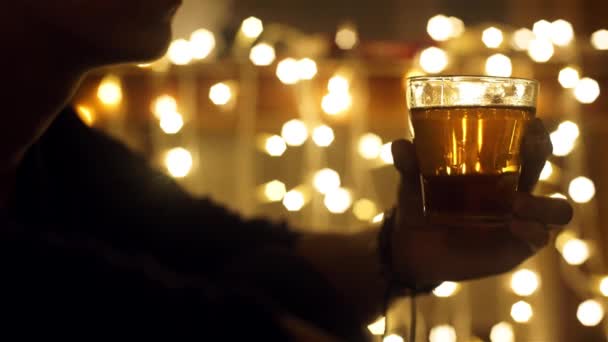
{"points": [[41, 78]]}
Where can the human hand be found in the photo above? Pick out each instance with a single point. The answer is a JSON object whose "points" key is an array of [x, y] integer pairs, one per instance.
{"points": [[424, 254]]}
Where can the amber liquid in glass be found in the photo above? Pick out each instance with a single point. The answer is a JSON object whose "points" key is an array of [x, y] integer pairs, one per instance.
{"points": [[469, 159]]}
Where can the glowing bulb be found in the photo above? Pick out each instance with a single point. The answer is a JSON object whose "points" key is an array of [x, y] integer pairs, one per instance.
{"points": [[347, 37], [587, 90], [377, 328], [275, 146], [440, 28], [220, 94], [378, 218], [323, 136], [562, 146], [561, 32], [521, 312], [338, 201], [558, 195], [252, 27], [540, 50], [336, 103], [542, 29], [171, 122], [294, 200], [575, 252], [307, 69], [274, 191], [365, 209], [338, 84], [446, 289], [326, 180], [568, 77], [604, 286], [433, 60], [178, 162], [86, 114], [522, 39], [393, 338], [547, 171], [164, 104], [442, 333], [386, 153], [262, 54], [581, 190], [370, 146], [502, 332], [180, 52], [294, 132], [492, 37], [590, 313], [524, 282], [202, 42], [569, 129], [499, 65], [599, 39], [288, 71], [109, 91]]}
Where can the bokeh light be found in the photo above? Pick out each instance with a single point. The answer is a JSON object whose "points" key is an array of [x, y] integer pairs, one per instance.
{"points": [[386, 153], [377, 328], [336, 103], [252, 27], [546, 172], [433, 60], [442, 333], [323, 136], [220, 94], [587, 90], [163, 104], [378, 218], [288, 71], [562, 238], [109, 91], [599, 39], [294, 132], [338, 201], [568, 77], [542, 29], [171, 122], [369, 146], [502, 332], [575, 252], [521, 312], [326, 180], [562, 145], [393, 338], [307, 69], [262, 54], [590, 313], [540, 50], [347, 37], [365, 209], [569, 130], [180, 52], [294, 200], [202, 43], [604, 286], [492, 37], [275, 146], [524, 282], [178, 162], [581, 189], [440, 28], [562, 32], [338, 84], [499, 65], [275, 191], [522, 38], [446, 289], [458, 27]]}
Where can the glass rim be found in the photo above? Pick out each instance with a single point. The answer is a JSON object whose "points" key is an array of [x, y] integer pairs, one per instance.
{"points": [[473, 78]]}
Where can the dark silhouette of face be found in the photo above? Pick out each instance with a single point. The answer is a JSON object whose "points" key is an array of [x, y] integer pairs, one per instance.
{"points": [[106, 31]]}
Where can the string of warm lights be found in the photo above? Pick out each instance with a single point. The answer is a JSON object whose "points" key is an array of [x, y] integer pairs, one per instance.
{"points": [[540, 43]]}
